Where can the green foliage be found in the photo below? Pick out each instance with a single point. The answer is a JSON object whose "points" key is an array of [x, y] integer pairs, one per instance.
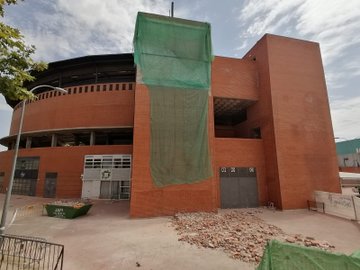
{"points": [[15, 60], [2, 2]]}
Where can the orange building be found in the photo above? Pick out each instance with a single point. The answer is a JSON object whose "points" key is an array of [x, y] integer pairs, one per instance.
{"points": [[269, 130]]}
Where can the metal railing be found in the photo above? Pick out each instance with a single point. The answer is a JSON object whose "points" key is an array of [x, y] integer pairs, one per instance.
{"points": [[18, 252]]}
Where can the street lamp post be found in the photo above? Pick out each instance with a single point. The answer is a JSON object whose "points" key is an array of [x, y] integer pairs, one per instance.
{"points": [[11, 180]]}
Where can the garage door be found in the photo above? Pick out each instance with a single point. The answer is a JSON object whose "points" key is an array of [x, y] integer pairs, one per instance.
{"points": [[238, 187], [107, 177]]}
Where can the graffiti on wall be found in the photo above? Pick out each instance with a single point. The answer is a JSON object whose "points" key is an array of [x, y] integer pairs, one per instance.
{"points": [[338, 204]]}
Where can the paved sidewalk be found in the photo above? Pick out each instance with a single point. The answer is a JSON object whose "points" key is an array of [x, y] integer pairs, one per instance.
{"points": [[107, 239], [342, 233]]}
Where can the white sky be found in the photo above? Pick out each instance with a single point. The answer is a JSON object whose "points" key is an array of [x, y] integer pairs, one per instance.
{"points": [[62, 29]]}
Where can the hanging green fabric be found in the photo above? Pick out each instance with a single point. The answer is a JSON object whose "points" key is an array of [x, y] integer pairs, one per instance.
{"points": [[173, 58], [173, 52]]}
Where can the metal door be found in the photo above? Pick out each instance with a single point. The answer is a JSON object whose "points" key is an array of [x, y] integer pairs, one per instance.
{"points": [[107, 177], [90, 189], [109, 190], [238, 187], [50, 185], [26, 174], [2, 174]]}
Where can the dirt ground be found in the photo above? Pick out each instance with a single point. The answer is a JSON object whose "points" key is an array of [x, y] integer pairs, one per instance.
{"points": [[107, 239]]}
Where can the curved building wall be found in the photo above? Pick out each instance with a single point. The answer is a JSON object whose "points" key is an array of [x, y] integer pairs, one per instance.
{"points": [[95, 118], [102, 105]]}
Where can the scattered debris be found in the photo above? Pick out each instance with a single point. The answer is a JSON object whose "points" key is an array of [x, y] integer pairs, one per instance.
{"points": [[240, 233], [72, 203], [138, 264]]}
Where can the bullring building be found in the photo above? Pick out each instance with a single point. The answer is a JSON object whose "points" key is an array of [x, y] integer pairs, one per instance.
{"points": [[172, 128]]}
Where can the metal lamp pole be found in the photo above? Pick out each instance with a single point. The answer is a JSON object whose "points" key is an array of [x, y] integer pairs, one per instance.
{"points": [[11, 180]]}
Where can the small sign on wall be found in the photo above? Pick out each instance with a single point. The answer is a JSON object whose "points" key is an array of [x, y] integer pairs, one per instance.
{"points": [[105, 174], [237, 171]]}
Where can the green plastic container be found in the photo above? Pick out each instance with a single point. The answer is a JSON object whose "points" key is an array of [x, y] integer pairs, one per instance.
{"points": [[68, 212]]}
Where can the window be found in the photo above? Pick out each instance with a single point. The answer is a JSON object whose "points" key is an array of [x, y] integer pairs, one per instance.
{"points": [[123, 86], [80, 90], [114, 137], [130, 86], [104, 87], [73, 139], [41, 141], [110, 87], [107, 162], [89, 163], [27, 163], [126, 163], [118, 162], [231, 118], [97, 163]]}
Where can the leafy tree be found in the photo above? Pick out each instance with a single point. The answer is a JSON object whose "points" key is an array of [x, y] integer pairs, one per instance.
{"points": [[15, 60]]}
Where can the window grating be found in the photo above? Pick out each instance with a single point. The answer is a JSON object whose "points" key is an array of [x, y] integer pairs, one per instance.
{"points": [[109, 162]]}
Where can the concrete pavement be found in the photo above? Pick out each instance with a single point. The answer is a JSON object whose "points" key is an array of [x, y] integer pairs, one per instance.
{"points": [[107, 239]]}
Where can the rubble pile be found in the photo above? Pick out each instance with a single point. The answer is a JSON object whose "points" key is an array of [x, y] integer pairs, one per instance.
{"points": [[240, 233], [72, 203]]}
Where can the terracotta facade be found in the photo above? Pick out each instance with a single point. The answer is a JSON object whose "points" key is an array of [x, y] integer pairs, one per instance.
{"points": [[286, 133]]}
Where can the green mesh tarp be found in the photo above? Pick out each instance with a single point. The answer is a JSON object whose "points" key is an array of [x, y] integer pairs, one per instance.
{"points": [[173, 52], [173, 58], [356, 254], [285, 256]]}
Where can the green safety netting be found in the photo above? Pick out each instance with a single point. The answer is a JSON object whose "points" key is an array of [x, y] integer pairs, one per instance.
{"points": [[286, 256], [173, 58], [356, 254]]}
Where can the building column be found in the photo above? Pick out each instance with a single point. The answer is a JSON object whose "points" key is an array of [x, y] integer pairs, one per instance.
{"points": [[92, 138], [53, 140], [28, 142]]}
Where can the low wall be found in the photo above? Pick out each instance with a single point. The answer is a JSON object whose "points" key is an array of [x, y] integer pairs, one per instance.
{"points": [[345, 206], [350, 183]]}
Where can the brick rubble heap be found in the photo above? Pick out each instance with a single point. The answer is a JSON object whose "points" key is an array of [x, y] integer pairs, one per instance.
{"points": [[240, 233]]}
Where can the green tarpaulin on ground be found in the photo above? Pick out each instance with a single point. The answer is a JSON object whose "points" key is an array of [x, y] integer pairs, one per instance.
{"points": [[356, 254], [286, 256], [173, 58]]}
